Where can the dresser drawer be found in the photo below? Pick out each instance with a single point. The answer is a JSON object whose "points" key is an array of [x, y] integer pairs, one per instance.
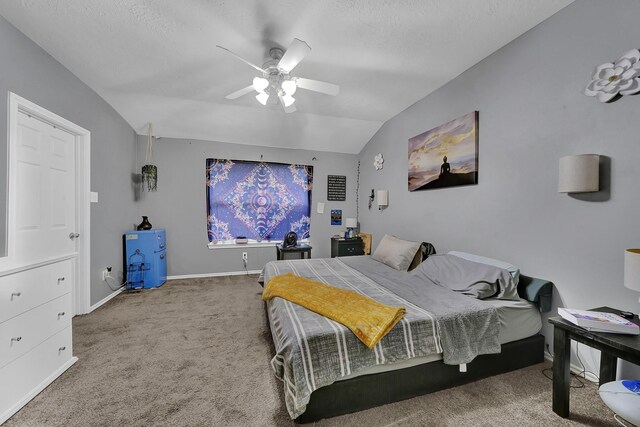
{"points": [[25, 290], [350, 249], [20, 377], [346, 247], [24, 332]]}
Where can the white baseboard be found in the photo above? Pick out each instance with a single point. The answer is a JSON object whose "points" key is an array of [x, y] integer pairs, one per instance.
{"points": [[105, 300], [575, 369], [197, 276], [33, 393]]}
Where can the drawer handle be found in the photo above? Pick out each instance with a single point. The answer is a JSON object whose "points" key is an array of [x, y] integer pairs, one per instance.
{"points": [[63, 348], [62, 313], [60, 279], [16, 339], [162, 245], [161, 256], [16, 294]]}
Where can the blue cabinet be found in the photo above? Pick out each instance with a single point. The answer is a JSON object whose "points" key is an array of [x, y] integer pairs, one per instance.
{"points": [[145, 258]]}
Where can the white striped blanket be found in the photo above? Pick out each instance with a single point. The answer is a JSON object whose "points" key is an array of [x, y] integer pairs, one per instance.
{"points": [[313, 351]]}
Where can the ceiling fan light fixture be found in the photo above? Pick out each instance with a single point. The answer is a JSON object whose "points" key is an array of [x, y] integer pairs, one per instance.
{"points": [[260, 84], [288, 100], [289, 87], [262, 98]]}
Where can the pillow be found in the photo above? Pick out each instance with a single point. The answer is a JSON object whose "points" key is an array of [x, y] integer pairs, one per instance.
{"points": [[512, 269], [396, 253]]}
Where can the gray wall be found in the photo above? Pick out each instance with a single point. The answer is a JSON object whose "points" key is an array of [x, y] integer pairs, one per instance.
{"points": [[532, 112], [28, 71], [179, 205]]}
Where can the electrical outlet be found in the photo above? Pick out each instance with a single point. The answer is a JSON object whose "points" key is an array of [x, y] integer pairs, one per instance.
{"points": [[106, 273], [245, 256]]}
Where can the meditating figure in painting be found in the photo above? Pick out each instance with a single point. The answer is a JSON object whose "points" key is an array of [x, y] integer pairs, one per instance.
{"points": [[445, 169]]}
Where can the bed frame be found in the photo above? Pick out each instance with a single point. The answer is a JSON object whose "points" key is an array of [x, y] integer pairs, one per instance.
{"points": [[368, 391]]}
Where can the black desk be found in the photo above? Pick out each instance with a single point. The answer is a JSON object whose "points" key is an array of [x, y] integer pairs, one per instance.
{"points": [[612, 346], [301, 248]]}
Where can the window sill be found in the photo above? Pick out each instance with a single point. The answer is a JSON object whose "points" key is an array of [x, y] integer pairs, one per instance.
{"points": [[241, 245], [247, 245]]}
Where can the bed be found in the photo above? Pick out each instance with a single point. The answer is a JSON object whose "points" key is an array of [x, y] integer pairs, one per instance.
{"points": [[445, 339]]}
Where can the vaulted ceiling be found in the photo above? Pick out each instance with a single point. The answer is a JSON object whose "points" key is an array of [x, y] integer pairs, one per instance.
{"points": [[156, 60]]}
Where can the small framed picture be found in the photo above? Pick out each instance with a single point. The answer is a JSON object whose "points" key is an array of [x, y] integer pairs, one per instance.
{"points": [[336, 216]]}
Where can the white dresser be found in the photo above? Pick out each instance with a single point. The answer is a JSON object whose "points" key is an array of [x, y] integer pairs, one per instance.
{"points": [[35, 331]]}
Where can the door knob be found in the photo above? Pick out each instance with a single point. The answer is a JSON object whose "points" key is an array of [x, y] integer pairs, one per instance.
{"points": [[74, 235]]}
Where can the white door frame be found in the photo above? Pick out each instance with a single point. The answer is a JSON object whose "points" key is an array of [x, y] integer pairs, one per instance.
{"points": [[82, 282]]}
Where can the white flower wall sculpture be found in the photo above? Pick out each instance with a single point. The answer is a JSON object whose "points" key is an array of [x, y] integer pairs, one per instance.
{"points": [[378, 161], [619, 78]]}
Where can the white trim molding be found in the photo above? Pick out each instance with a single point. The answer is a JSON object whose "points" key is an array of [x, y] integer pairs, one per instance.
{"points": [[199, 276], [106, 299], [231, 244]]}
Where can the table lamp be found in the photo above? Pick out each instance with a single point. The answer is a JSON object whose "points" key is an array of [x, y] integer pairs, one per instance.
{"points": [[632, 269], [351, 224]]}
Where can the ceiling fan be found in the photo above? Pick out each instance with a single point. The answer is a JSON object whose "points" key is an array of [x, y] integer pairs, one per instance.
{"points": [[276, 82]]}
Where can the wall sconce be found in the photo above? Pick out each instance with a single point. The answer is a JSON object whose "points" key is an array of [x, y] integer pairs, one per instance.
{"points": [[632, 269], [372, 197], [383, 199], [579, 174]]}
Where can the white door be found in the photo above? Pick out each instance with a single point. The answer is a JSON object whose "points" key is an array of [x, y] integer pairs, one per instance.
{"points": [[45, 191]]}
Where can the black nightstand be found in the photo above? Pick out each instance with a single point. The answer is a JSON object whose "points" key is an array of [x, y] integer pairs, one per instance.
{"points": [[346, 247], [301, 248], [612, 346]]}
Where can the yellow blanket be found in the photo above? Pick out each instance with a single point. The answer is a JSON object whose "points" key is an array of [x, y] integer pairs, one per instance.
{"points": [[365, 317]]}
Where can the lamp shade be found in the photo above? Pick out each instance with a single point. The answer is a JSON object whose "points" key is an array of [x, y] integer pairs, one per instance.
{"points": [[632, 269], [260, 84], [383, 197], [262, 98], [351, 222], [579, 174]]}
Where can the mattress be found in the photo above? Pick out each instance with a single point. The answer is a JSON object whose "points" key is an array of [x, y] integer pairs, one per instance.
{"points": [[518, 320]]}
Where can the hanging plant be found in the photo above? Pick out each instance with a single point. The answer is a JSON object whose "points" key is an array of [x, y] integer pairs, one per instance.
{"points": [[149, 170], [150, 177]]}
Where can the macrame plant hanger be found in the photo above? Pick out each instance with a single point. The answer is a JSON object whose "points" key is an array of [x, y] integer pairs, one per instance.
{"points": [[149, 170]]}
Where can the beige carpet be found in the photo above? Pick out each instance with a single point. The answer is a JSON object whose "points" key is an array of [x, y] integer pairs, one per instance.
{"points": [[197, 352]]}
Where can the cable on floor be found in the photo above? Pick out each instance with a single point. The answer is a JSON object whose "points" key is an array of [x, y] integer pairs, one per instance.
{"points": [[253, 276], [620, 419], [575, 376], [111, 287], [584, 370]]}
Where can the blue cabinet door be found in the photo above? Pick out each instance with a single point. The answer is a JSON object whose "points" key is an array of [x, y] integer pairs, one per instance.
{"points": [[146, 258]]}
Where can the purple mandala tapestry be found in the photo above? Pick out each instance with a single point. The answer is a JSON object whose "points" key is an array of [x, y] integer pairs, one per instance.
{"points": [[262, 201]]}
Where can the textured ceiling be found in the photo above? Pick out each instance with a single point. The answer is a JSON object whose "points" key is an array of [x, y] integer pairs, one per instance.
{"points": [[156, 60]]}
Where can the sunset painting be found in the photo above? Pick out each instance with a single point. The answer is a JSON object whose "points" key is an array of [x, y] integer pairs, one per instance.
{"points": [[445, 156]]}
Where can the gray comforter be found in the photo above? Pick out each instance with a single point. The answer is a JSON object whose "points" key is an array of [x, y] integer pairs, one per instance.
{"points": [[313, 351]]}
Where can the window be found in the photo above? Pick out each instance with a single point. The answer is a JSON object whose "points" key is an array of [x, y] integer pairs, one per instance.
{"points": [[258, 200]]}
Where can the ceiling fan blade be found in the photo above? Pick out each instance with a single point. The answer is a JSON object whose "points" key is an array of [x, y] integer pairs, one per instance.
{"points": [[242, 59], [318, 86], [239, 93], [290, 109], [295, 53]]}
